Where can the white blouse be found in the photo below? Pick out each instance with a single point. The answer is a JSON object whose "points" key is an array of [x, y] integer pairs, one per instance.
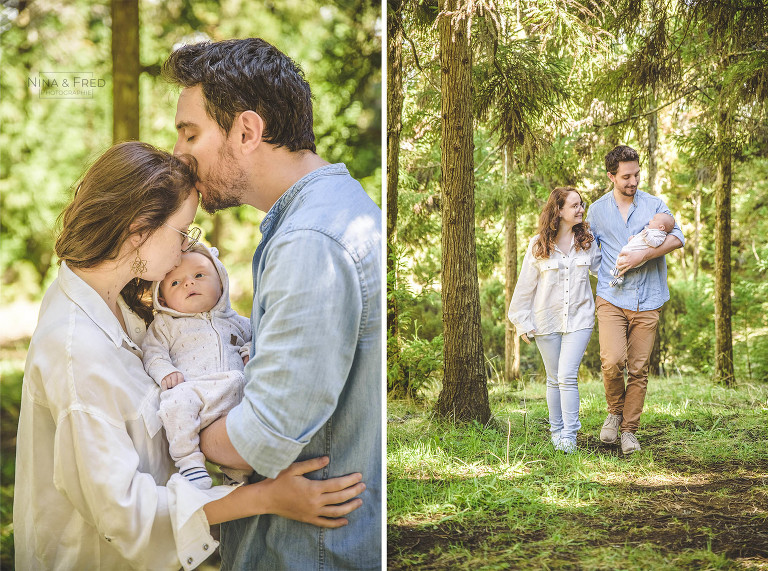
{"points": [[95, 485], [553, 295]]}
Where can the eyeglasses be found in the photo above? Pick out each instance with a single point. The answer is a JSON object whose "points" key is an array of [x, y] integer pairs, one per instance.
{"points": [[580, 205], [191, 236]]}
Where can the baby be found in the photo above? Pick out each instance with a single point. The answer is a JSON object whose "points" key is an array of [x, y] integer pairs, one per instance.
{"points": [[652, 236], [195, 349]]}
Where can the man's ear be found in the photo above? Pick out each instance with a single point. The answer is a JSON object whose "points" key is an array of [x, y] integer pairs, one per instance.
{"points": [[250, 130]]}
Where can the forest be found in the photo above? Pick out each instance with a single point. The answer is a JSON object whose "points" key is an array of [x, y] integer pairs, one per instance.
{"points": [[548, 89], [78, 76], [490, 106]]}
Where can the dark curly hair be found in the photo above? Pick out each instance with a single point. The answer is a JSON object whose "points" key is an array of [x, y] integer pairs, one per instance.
{"points": [[549, 221], [249, 74], [620, 154]]}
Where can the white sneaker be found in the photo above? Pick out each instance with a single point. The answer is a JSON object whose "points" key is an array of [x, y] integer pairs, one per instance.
{"points": [[629, 443], [567, 445], [610, 431]]}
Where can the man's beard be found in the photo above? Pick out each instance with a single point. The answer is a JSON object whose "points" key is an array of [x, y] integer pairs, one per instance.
{"points": [[628, 192], [226, 184]]}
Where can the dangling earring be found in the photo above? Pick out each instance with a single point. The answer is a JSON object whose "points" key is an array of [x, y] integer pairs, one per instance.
{"points": [[139, 266]]}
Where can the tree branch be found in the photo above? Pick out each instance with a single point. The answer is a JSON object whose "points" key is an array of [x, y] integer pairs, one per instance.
{"points": [[639, 115]]}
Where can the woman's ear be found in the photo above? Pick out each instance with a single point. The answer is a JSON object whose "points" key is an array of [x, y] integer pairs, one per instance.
{"points": [[136, 238]]}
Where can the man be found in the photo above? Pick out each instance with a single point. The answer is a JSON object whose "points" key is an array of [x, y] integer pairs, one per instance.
{"points": [[313, 383], [628, 314]]}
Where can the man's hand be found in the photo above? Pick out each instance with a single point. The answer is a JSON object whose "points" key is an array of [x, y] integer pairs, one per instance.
{"points": [[171, 380], [626, 262]]}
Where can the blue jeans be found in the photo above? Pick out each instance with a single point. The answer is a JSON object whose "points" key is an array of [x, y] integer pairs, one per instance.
{"points": [[562, 354]]}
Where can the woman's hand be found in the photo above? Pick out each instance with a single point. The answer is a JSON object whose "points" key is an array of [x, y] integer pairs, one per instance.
{"points": [[314, 501], [527, 336], [293, 496]]}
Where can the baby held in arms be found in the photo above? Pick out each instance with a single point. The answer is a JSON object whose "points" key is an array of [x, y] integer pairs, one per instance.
{"points": [[652, 236], [195, 350]]}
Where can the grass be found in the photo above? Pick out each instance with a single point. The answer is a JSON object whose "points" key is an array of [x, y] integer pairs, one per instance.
{"points": [[499, 496]]}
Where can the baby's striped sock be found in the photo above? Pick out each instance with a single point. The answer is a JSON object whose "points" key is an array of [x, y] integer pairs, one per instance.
{"points": [[198, 477]]}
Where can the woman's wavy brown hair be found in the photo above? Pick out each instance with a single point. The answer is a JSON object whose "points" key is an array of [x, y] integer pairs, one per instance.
{"points": [[132, 188], [549, 221]]}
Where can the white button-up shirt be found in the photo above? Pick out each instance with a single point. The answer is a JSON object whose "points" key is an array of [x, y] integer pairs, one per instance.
{"points": [[92, 465], [553, 294]]}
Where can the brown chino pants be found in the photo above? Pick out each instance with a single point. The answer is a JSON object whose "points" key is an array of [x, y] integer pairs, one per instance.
{"points": [[626, 341]]}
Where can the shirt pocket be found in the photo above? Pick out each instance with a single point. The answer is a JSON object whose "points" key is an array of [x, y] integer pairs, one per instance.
{"points": [[548, 271], [582, 265]]}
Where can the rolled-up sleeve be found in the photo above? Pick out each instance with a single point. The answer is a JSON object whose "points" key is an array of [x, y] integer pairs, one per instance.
{"points": [[676, 231], [311, 297]]}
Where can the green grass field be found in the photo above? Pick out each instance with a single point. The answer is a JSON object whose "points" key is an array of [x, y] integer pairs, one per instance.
{"points": [[500, 497]]}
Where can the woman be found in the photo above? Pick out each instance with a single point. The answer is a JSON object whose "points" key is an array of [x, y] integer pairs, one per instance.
{"points": [[553, 303], [92, 475]]}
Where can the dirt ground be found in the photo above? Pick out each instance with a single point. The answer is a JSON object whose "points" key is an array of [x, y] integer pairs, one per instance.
{"points": [[724, 513]]}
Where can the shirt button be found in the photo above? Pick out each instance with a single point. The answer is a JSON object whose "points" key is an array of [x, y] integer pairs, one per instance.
{"points": [[189, 561], [205, 547], [137, 330], [108, 538]]}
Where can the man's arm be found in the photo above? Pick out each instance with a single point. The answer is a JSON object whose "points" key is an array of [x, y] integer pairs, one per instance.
{"points": [[217, 447], [626, 262], [312, 301]]}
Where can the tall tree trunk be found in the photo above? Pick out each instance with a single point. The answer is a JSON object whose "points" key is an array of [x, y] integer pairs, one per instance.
{"points": [[464, 396], [653, 144], [696, 230], [723, 341], [511, 340], [125, 70], [394, 125]]}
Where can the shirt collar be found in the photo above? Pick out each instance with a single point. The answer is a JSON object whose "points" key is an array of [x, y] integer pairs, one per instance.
{"points": [[570, 248], [282, 203], [86, 298], [634, 198]]}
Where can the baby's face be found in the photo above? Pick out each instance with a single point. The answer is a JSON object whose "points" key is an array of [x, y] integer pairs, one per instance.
{"points": [[193, 286]]}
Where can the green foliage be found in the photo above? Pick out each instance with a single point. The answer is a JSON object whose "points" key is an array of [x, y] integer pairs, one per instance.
{"points": [[414, 353], [688, 334], [419, 365]]}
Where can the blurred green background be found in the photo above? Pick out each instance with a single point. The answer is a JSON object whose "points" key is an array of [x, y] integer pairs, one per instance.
{"points": [[47, 141]]}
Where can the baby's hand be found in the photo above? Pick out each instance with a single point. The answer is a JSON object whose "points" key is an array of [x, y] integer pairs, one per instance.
{"points": [[245, 354], [171, 380]]}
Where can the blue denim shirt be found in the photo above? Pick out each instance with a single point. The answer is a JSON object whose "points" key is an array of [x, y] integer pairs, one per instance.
{"points": [[314, 380], [645, 287]]}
